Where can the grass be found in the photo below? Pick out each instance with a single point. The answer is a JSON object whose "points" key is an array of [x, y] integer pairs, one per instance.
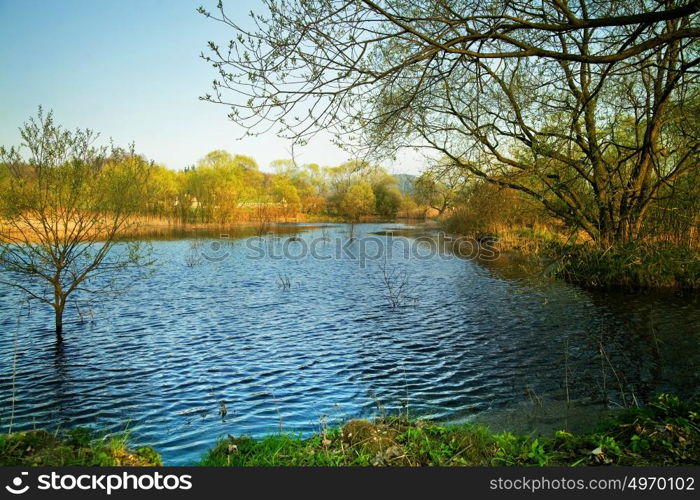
{"points": [[78, 447], [632, 266], [528, 240], [663, 433]]}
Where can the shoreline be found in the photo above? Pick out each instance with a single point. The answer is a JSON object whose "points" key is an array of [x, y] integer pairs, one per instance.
{"points": [[664, 432]]}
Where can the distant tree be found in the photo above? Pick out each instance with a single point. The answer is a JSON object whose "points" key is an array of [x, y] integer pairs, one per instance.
{"points": [[200, 187], [387, 197], [183, 196], [440, 189], [409, 207], [4, 178], [285, 193], [308, 181], [161, 192], [219, 184], [64, 210], [356, 202]]}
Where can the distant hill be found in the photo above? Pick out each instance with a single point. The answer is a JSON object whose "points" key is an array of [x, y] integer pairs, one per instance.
{"points": [[405, 182]]}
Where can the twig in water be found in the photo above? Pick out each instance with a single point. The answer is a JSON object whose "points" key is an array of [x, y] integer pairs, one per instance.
{"points": [[284, 282], [397, 286]]}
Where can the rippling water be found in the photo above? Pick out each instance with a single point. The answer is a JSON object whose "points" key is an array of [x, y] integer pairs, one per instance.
{"points": [[162, 357]]}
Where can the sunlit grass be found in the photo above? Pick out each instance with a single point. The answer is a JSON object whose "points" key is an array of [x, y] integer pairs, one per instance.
{"points": [[665, 432], [80, 446]]}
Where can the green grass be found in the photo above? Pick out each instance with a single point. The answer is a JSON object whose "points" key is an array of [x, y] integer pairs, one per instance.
{"points": [[631, 266], [663, 433], [78, 446], [634, 266]]}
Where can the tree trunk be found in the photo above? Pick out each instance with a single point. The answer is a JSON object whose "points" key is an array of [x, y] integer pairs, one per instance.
{"points": [[59, 323], [59, 305]]}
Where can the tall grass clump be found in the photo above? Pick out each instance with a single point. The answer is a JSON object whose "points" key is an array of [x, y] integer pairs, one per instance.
{"points": [[638, 265]]}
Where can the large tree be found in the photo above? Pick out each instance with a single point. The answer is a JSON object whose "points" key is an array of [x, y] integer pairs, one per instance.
{"points": [[64, 209], [578, 103]]}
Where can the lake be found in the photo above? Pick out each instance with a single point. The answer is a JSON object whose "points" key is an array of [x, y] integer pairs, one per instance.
{"points": [[314, 325]]}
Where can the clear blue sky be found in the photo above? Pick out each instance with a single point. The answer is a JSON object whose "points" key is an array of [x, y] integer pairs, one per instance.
{"points": [[130, 69]]}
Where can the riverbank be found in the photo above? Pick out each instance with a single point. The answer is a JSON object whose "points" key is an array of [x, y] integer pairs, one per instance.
{"points": [[635, 266], [168, 228], [664, 433], [76, 447], [642, 265]]}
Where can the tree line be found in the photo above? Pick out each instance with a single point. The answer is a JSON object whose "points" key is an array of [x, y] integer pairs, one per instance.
{"points": [[226, 188], [222, 188]]}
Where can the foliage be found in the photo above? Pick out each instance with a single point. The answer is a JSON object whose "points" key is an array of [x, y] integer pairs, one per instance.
{"points": [[665, 432], [225, 189], [635, 265], [76, 447], [484, 208], [441, 188], [387, 197], [357, 201]]}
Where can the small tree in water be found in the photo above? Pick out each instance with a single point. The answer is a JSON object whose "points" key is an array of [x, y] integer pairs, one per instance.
{"points": [[64, 207]]}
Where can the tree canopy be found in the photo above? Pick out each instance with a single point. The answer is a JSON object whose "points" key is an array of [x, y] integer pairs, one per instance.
{"points": [[579, 104]]}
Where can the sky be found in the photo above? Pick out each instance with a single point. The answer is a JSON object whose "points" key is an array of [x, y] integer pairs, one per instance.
{"points": [[130, 70]]}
